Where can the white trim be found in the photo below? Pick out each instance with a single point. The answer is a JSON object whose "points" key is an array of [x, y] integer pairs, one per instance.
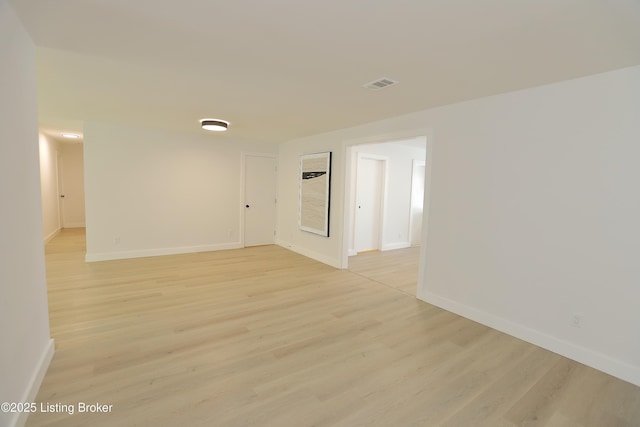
{"points": [[75, 225], [348, 206], [243, 196], [400, 135], [426, 207], [60, 186], [414, 164], [394, 246], [108, 256], [50, 237], [348, 146], [310, 254], [35, 382], [575, 352]]}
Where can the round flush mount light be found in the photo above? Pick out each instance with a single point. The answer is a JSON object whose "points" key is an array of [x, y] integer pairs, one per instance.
{"points": [[214, 124]]}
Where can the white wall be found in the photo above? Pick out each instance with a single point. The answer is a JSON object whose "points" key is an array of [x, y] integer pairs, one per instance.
{"points": [[152, 192], [49, 184], [533, 217], [25, 345], [73, 215], [397, 209]]}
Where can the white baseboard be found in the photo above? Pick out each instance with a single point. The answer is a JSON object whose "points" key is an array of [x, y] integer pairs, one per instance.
{"points": [[48, 238], [108, 256], [396, 245], [34, 383], [385, 247], [75, 225], [310, 254], [575, 352]]}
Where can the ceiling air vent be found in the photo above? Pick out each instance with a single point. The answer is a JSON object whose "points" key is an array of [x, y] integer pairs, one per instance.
{"points": [[380, 83]]}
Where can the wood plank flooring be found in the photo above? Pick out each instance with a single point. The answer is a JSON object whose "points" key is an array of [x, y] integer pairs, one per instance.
{"points": [[397, 269], [266, 337]]}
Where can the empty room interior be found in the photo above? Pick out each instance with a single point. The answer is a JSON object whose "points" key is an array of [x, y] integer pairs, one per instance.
{"points": [[336, 213]]}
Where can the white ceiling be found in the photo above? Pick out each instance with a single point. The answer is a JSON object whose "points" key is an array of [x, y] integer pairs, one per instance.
{"points": [[282, 69]]}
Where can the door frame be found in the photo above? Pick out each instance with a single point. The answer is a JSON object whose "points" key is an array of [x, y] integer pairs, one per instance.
{"points": [[60, 187], [383, 196], [416, 164], [243, 169], [350, 147]]}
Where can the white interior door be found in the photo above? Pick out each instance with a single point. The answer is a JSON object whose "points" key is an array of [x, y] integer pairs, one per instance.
{"points": [[60, 188], [369, 187], [417, 201], [260, 200], [73, 179]]}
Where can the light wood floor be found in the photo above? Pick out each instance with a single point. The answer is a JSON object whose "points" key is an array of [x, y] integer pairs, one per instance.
{"points": [[266, 337], [397, 269]]}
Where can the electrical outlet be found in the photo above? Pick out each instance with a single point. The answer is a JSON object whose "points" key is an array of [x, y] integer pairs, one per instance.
{"points": [[117, 240], [576, 320]]}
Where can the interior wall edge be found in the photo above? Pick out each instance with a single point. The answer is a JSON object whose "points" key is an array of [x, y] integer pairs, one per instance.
{"points": [[36, 380], [333, 262]]}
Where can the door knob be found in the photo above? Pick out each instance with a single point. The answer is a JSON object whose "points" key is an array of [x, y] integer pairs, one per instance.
{"points": [[246, 206]]}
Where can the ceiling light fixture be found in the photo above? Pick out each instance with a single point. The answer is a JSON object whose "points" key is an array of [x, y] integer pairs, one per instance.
{"points": [[71, 135], [214, 124]]}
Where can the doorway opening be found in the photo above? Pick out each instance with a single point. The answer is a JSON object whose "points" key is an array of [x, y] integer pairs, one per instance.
{"points": [[385, 203], [62, 185], [72, 198]]}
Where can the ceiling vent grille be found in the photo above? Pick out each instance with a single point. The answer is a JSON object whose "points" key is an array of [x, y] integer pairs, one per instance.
{"points": [[380, 83]]}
